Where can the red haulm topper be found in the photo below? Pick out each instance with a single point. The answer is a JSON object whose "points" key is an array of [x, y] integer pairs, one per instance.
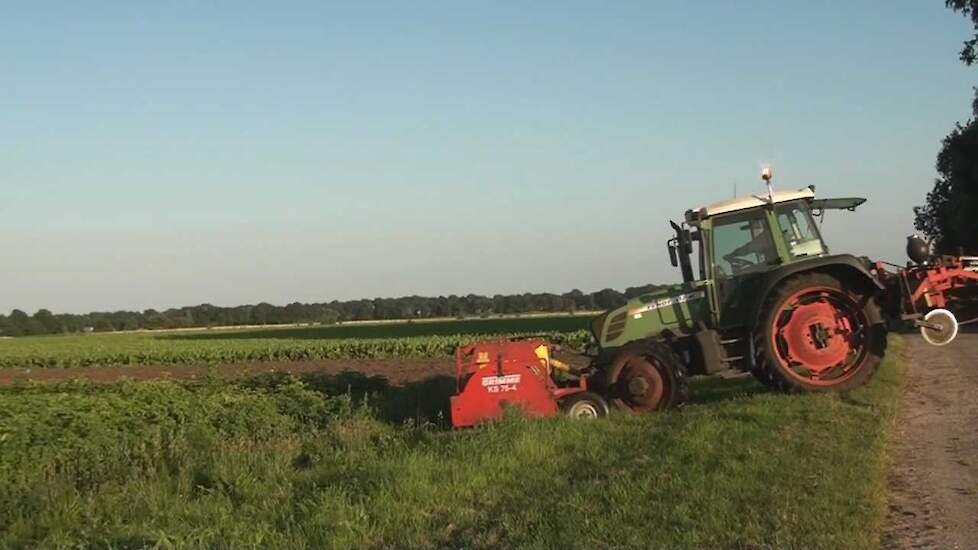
{"points": [[920, 293], [492, 376]]}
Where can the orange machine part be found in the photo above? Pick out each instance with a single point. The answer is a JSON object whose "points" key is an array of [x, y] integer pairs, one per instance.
{"points": [[493, 376]]}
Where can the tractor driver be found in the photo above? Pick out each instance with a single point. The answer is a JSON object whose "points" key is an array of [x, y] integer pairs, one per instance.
{"points": [[760, 244]]}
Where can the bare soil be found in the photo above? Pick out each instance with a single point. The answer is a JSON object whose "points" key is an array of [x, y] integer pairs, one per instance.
{"points": [[397, 371], [933, 481]]}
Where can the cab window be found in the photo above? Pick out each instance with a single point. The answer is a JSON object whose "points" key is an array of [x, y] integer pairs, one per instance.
{"points": [[799, 230], [741, 243]]}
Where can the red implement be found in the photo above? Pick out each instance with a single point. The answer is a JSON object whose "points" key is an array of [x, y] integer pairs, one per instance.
{"points": [[493, 376], [921, 288]]}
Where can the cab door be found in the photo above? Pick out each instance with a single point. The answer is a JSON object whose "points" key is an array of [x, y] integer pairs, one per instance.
{"points": [[743, 250]]}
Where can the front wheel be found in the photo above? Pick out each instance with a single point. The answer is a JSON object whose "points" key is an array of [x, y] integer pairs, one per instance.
{"points": [[646, 376], [818, 335]]}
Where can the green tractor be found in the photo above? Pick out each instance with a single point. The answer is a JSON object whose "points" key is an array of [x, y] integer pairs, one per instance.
{"points": [[760, 293]]}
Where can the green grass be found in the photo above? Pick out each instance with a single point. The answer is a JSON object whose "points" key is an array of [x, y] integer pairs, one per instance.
{"points": [[392, 340], [271, 462]]}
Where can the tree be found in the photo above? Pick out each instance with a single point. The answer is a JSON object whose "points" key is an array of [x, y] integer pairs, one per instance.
{"points": [[261, 313], [950, 215], [968, 8], [363, 310], [969, 51], [153, 319], [634, 291], [17, 323], [329, 316], [609, 298], [46, 321]]}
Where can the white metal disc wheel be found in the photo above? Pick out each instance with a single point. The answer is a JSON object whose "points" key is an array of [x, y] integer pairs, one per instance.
{"points": [[585, 405], [947, 331]]}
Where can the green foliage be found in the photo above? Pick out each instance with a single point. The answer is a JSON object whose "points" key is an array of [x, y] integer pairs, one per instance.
{"points": [[276, 464], [949, 216], [400, 340], [89, 433], [968, 8]]}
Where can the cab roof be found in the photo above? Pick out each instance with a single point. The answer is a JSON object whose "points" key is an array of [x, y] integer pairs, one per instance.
{"points": [[753, 201]]}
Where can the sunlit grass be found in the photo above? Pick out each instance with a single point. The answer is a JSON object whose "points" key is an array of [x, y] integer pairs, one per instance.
{"points": [[274, 464]]}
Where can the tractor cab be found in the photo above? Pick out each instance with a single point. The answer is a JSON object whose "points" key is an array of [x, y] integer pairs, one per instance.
{"points": [[741, 240], [738, 242], [749, 234]]}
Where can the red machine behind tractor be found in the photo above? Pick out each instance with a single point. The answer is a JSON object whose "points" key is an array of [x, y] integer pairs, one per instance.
{"points": [[495, 374], [760, 293]]}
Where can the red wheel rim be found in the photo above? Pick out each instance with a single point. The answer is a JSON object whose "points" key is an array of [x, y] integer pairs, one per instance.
{"points": [[819, 336], [640, 386]]}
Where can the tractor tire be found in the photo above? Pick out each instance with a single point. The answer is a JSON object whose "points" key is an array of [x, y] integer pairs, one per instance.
{"points": [[818, 334], [762, 375], [585, 405], [646, 376]]}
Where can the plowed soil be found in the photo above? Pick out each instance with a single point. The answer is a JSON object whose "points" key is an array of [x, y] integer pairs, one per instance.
{"points": [[397, 371]]}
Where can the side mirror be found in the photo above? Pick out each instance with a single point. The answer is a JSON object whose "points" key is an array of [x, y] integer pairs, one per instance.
{"points": [[672, 254]]}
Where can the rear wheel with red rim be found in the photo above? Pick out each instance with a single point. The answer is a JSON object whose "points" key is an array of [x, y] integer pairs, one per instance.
{"points": [[819, 335]]}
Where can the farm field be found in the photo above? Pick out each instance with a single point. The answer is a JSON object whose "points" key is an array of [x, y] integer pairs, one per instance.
{"points": [[278, 461], [353, 341]]}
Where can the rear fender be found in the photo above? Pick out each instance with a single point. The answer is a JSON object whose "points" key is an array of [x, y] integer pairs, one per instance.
{"points": [[845, 267]]}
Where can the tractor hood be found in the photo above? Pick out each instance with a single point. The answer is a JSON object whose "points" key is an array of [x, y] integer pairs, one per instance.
{"points": [[674, 307]]}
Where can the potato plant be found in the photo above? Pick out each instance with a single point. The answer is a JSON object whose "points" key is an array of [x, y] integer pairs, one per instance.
{"points": [[406, 340]]}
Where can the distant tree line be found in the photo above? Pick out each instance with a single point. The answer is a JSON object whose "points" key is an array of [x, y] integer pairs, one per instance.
{"points": [[19, 323]]}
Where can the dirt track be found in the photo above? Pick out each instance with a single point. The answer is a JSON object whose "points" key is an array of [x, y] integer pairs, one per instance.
{"points": [[934, 477], [397, 372]]}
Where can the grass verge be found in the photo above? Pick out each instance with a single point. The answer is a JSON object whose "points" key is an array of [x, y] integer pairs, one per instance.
{"points": [[280, 465]]}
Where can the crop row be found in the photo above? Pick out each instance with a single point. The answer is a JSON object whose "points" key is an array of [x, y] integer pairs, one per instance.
{"points": [[82, 351]]}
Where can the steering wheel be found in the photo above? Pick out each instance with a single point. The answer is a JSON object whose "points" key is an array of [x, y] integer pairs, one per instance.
{"points": [[738, 264]]}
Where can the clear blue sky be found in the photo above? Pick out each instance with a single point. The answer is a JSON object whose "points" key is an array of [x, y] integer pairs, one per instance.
{"points": [[173, 153]]}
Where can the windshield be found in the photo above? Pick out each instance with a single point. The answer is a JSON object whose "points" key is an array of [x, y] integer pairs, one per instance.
{"points": [[799, 231]]}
